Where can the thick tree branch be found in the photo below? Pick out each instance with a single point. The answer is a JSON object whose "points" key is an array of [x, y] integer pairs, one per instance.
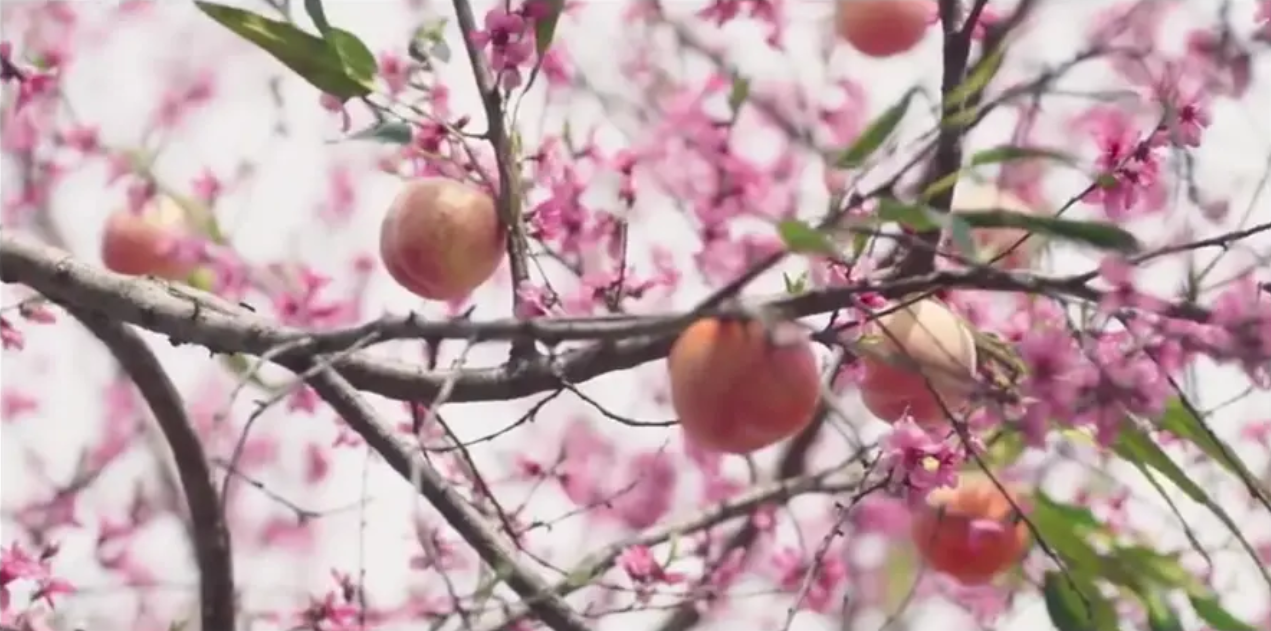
{"points": [[211, 538], [413, 467], [190, 316]]}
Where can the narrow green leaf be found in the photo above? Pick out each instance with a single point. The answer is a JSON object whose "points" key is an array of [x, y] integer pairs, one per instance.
{"points": [[1160, 569], [796, 285], [1215, 615], [1004, 449], [875, 134], [358, 60], [901, 572], [960, 233], [1181, 422], [391, 132], [1139, 449], [306, 55], [545, 27], [1012, 153], [318, 15], [1072, 610], [977, 79], [915, 216], [1102, 235], [801, 238], [1067, 530], [1160, 614], [738, 94]]}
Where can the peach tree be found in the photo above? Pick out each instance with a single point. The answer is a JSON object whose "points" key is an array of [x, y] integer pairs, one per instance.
{"points": [[547, 314]]}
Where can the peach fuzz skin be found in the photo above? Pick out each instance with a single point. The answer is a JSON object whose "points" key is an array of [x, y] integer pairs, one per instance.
{"points": [[882, 28], [922, 356], [970, 532], [736, 390], [140, 244], [441, 239]]}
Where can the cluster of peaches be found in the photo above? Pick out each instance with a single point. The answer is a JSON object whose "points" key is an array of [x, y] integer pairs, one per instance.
{"points": [[735, 387]]}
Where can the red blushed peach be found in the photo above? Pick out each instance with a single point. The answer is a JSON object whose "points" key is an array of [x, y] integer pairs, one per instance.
{"points": [[441, 238], [737, 389], [140, 244], [918, 360], [882, 28], [971, 532], [992, 242]]}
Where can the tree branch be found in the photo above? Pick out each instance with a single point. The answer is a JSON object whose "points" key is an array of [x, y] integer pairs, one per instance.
{"points": [[509, 199], [211, 538], [413, 467], [189, 316], [780, 490], [920, 257]]}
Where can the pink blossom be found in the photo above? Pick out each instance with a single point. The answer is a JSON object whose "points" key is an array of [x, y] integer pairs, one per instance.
{"points": [[922, 462], [828, 575], [645, 571], [511, 44], [649, 497]]}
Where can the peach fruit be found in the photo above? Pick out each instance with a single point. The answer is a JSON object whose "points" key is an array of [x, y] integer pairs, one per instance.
{"points": [[140, 244], [737, 388], [991, 242], [441, 238], [972, 531], [915, 358], [882, 28]]}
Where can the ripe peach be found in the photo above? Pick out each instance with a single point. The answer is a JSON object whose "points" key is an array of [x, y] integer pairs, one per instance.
{"points": [[140, 244], [882, 28], [970, 532], [990, 242], [441, 238], [914, 359], [737, 388]]}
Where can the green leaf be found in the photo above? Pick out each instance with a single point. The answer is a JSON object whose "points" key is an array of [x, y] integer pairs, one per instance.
{"points": [[318, 15], [1180, 421], [1212, 612], [1162, 570], [801, 238], [899, 577], [738, 94], [1139, 449], [1012, 153], [392, 132], [960, 232], [1073, 610], [795, 286], [340, 73], [1004, 449], [1102, 235], [1068, 530], [358, 60], [545, 27], [1160, 615], [977, 79], [876, 134], [916, 216]]}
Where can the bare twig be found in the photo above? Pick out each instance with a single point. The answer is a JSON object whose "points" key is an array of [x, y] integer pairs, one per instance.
{"points": [[412, 466], [212, 550]]}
